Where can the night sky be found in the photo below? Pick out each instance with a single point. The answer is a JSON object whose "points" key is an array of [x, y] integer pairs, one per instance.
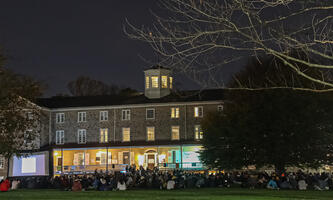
{"points": [[57, 41]]}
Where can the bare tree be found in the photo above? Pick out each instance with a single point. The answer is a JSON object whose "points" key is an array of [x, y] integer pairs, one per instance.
{"points": [[200, 37]]}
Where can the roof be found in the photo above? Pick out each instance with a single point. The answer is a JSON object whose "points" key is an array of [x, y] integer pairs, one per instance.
{"points": [[113, 100]]}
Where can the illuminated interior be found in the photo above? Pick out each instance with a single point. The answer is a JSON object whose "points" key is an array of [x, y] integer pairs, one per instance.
{"points": [[87, 160]]}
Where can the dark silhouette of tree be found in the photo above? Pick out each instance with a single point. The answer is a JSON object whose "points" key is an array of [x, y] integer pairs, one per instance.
{"points": [[18, 113], [278, 127], [85, 86]]}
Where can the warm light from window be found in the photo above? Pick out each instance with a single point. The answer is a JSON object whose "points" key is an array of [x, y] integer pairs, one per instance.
{"points": [[147, 82], [164, 82], [175, 133], [103, 135], [150, 133], [170, 82], [154, 81], [126, 134], [174, 112]]}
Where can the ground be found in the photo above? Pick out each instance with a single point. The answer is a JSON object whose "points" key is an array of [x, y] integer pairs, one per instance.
{"points": [[189, 194]]}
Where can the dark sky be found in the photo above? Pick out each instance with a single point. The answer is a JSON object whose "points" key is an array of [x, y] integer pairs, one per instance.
{"points": [[57, 40]]}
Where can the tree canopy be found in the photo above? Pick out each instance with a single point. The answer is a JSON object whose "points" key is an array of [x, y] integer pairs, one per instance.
{"points": [[201, 38], [19, 117], [85, 86], [277, 128]]}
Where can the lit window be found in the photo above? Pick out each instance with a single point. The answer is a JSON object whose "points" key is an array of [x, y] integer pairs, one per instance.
{"points": [[126, 134], [82, 136], [220, 108], [147, 82], [198, 111], [2, 162], [164, 82], [150, 113], [82, 117], [154, 81], [198, 134], [174, 132], [60, 118], [170, 82], [103, 135], [103, 115], [150, 133], [174, 112], [60, 137], [126, 115]]}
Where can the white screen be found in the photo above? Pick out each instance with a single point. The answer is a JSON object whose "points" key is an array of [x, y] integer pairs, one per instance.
{"points": [[28, 165]]}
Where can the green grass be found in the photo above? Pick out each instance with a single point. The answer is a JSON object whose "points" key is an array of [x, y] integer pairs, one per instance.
{"points": [[188, 194]]}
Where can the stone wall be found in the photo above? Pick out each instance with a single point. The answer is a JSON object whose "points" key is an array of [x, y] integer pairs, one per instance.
{"points": [[137, 124]]}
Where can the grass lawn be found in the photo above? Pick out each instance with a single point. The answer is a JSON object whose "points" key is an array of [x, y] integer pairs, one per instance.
{"points": [[190, 194]]}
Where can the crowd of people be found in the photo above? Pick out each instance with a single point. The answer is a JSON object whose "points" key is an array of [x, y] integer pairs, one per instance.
{"points": [[154, 179]]}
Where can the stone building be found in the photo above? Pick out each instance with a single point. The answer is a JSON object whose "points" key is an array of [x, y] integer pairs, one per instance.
{"points": [[159, 128]]}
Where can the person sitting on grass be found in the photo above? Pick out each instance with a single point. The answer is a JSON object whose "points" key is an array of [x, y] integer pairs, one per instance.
{"points": [[5, 185], [15, 184], [77, 186], [121, 184], [272, 184]]}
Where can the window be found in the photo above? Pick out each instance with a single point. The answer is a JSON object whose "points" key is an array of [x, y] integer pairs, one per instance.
{"points": [[198, 111], [126, 134], [164, 82], [220, 108], [82, 136], [174, 112], [2, 162], [126, 115], [60, 137], [28, 137], [103, 135], [174, 132], [170, 82], [60, 118], [30, 116], [147, 82], [154, 81], [150, 113], [150, 133], [103, 115], [82, 117], [198, 134]]}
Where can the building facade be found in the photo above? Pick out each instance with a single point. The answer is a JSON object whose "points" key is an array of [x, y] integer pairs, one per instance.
{"points": [[156, 129]]}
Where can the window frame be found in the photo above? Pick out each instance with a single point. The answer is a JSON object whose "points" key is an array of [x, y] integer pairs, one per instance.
{"points": [[195, 114], [102, 116], [149, 109], [172, 138], [60, 137], [147, 135], [164, 82], [129, 134], [125, 115], [198, 135], [2, 162], [59, 119], [84, 116], [176, 116], [79, 133], [105, 134], [147, 82], [220, 108], [153, 82]]}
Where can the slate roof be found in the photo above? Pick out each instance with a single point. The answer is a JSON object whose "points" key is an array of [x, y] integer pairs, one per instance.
{"points": [[112, 100]]}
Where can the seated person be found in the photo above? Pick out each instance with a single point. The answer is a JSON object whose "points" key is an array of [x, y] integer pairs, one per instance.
{"points": [[5, 185]]}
